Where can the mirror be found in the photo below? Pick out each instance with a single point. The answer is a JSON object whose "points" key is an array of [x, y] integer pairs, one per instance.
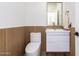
{"points": [[55, 14]]}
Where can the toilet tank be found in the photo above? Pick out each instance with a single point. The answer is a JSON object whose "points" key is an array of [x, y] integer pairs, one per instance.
{"points": [[35, 37]]}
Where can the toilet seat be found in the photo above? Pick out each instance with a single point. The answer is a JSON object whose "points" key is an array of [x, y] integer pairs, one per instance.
{"points": [[32, 47]]}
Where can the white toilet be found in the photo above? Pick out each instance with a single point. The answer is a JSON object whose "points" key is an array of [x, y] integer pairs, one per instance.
{"points": [[33, 48]]}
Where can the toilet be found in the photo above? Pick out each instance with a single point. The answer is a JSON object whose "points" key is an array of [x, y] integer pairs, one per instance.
{"points": [[33, 48]]}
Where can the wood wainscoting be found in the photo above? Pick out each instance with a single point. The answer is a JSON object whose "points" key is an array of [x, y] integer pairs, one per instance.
{"points": [[14, 40], [72, 42], [2, 42]]}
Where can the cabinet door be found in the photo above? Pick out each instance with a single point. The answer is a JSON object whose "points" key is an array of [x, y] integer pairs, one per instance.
{"points": [[58, 42]]}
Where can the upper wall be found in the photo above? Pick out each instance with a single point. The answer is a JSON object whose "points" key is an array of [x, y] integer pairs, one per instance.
{"points": [[71, 7], [36, 14], [12, 14], [16, 14], [77, 16]]}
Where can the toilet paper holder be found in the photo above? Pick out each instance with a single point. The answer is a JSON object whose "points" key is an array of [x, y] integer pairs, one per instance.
{"points": [[77, 33]]}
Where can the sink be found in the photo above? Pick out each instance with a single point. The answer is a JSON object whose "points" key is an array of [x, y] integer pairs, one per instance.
{"points": [[56, 30]]}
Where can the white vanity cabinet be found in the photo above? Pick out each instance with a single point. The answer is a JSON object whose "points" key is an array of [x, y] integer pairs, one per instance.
{"points": [[57, 41]]}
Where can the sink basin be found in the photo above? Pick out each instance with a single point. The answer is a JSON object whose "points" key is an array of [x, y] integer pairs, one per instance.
{"points": [[56, 30]]}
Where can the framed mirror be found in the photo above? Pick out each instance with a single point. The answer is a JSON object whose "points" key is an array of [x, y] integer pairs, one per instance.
{"points": [[55, 11]]}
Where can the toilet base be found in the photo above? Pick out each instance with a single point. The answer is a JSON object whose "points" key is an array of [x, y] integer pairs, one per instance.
{"points": [[36, 53]]}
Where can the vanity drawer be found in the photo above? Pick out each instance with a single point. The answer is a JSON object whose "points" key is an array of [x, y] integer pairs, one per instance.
{"points": [[57, 42], [57, 47]]}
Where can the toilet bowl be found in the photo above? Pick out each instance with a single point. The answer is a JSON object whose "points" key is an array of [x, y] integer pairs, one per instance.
{"points": [[33, 48]]}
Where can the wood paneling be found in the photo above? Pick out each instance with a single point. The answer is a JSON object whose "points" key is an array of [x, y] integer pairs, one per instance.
{"points": [[14, 40], [72, 41], [2, 42]]}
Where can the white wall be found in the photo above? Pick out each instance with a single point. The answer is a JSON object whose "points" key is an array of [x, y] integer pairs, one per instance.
{"points": [[77, 26], [29, 14], [36, 14], [15, 14], [71, 7], [11, 14]]}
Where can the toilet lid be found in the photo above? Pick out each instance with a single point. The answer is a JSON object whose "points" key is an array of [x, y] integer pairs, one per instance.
{"points": [[31, 47]]}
